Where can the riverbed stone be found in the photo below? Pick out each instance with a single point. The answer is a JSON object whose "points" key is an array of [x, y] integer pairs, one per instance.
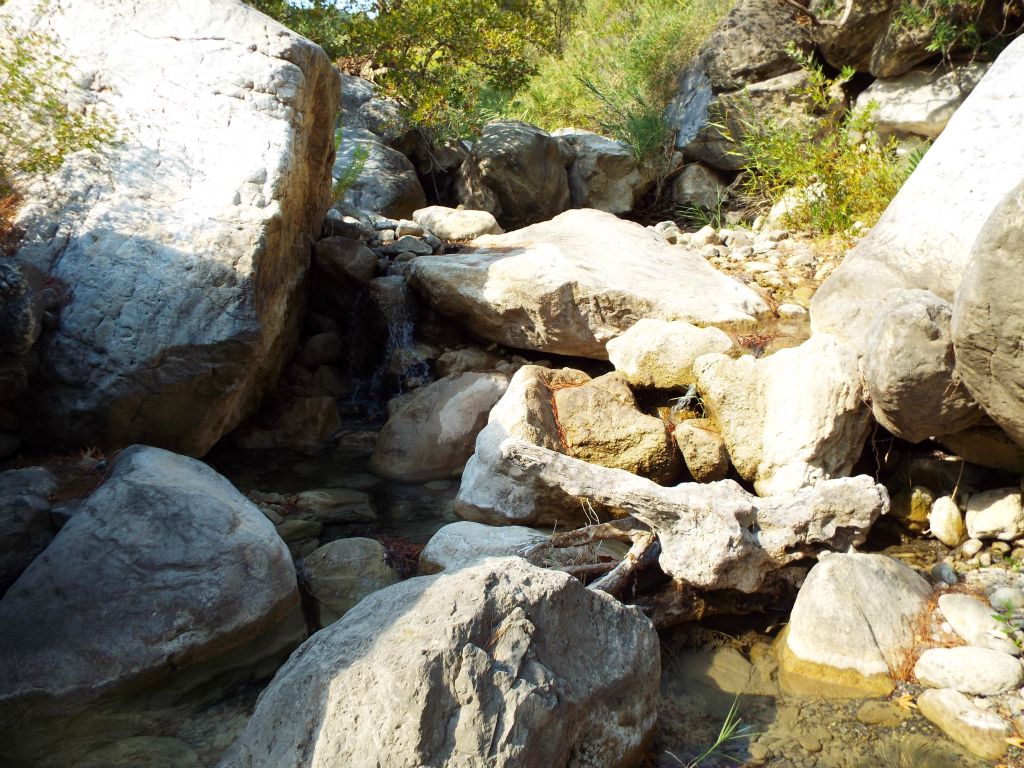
{"points": [[946, 521], [659, 354], [334, 505], [601, 423], [911, 507], [982, 732], [996, 514], [569, 285], [703, 449], [456, 223], [973, 620], [977, 671], [165, 577], [341, 573], [387, 182], [852, 621], [790, 419], [461, 544], [186, 242], [500, 663], [430, 436]]}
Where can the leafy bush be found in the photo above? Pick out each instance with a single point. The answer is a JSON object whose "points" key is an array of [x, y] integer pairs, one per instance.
{"points": [[323, 21], [967, 27], [830, 179], [37, 127], [619, 68]]}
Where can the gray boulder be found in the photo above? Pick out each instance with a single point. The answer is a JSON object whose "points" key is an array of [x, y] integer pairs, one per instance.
{"points": [[21, 307], [186, 243], [909, 370], [456, 223], [166, 577], [341, 573], [988, 318], [461, 544], [605, 173], [978, 671], [699, 186], [498, 664], [431, 434], [517, 172], [25, 523], [660, 354], [854, 28], [981, 731], [387, 183]]}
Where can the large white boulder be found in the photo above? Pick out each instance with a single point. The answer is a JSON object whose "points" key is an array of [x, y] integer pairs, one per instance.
{"points": [[165, 577], [569, 285], [456, 223], [501, 664], [184, 246], [981, 731], [853, 622], [988, 318], [465, 543], [925, 238], [791, 419]]}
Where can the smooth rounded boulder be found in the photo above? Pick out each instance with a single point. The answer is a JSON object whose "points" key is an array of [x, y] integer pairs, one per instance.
{"points": [[185, 244], [165, 576], [500, 664], [988, 318]]}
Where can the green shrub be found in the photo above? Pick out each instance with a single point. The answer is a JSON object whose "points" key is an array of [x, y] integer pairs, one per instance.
{"points": [[832, 179], [37, 127], [619, 69]]}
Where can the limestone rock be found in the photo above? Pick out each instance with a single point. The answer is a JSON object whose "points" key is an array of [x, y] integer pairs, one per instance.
{"points": [[465, 360], [341, 573], [495, 664], [996, 514], [713, 535], [924, 239], [138, 751], [387, 183], [978, 671], [920, 102], [569, 285], [987, 320], [302, 423], [909, 369], [459, 545], [946, 522], [851, 41], [749, 45], [982, 732], [187, 278], [790, 419], [456, 224], [334, 505], [703, 450], [601, 424], [987, 445], [660, 354], [605, 174], [346, 262], [431, 435], [166, 574], [852, 619], [517, 172], [25, 525], [974, 621], [699, 186], [901, 47]]}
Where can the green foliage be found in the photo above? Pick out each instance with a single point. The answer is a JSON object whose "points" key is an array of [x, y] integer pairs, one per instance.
{"points": [[37, 127], [635, 50], [344, 182], [950, 25], [440, 56], [731, 730], [1008, 619], [831, 179]]}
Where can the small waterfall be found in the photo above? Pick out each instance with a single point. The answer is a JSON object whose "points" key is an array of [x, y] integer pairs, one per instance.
{"points": [[383, 323]]}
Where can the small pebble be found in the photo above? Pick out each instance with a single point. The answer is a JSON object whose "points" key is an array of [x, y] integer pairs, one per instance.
{"points": [[970, 548]]}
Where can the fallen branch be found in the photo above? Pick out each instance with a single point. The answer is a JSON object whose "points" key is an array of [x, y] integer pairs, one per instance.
{"points": [[815, 21]]}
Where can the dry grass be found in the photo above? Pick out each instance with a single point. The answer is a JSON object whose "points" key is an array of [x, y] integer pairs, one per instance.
{"points": [[756, 343], [926, 634], [401, 554], [9, 205]]}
